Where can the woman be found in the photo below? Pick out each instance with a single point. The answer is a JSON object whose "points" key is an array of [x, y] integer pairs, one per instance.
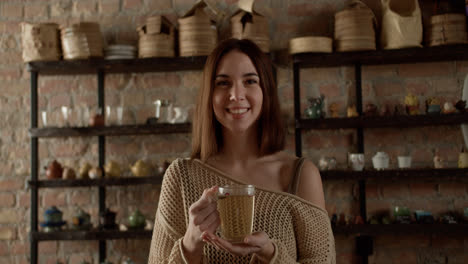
{"points": [[238, 138]]}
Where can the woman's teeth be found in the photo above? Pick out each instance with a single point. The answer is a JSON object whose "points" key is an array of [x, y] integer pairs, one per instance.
{"points": [[238, 111]]}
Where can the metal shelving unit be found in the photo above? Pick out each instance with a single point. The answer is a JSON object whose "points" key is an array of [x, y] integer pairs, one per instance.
{"points": [[100, 67], [378, 57]]}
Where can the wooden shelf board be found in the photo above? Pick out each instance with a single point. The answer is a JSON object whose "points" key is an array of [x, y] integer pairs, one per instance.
{"points": [[416, 173], [110, 130], [124, 181], [384, 121], [92, 235], [402, 229], [94, 65], [376, 57]]}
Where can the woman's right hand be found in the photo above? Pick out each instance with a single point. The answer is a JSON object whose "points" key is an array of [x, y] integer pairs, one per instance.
{"points": [[203, 218]]}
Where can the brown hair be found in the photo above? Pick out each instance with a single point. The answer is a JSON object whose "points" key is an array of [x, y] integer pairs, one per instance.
{"points": [[206, 132]]}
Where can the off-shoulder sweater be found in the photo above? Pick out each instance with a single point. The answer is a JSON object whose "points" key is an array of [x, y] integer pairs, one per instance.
{"points": [[300, 231]]}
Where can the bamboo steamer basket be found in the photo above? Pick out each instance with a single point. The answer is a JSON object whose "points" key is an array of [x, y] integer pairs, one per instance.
{"points": [[198, 35], [156, 38], [310, 44], [40, 42], [255, 29], [81, 41], [447, 29], [355, 28]]}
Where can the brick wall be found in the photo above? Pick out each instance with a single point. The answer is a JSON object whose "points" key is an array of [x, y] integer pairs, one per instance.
{"points": [[136, 92]]}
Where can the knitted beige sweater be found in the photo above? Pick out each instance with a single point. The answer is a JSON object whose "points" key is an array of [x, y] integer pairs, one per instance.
{"points": [[300, 231]]}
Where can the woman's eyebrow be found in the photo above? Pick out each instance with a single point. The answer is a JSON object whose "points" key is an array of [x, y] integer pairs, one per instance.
{"points": [[222, 76], [250, 74]]}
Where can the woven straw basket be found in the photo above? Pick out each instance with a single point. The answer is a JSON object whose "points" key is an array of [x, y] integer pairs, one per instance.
{"points": [[447, 29], [310, 44], [40, 42], [355, 28]]}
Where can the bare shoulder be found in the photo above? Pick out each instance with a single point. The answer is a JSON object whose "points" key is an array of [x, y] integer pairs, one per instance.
{"points": [[310, 184]]}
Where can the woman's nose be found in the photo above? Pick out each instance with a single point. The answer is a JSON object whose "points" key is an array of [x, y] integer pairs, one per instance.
{"points": [[237, 92]]}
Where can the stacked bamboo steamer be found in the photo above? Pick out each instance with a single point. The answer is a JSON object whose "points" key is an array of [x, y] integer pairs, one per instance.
{"points": [[447, 29], [81, 41], [354, 28], [198, 35], [41, 42], [255, 29], [310, 44], [156, 38]]}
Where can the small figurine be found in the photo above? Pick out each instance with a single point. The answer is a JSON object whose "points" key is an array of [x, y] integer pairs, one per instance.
{"points": [[351, 111], [112, 169], [463, 159], [385, 111], [438, 161], [432, 106], [399, 110], [461, 106], [69, 173], [334, 109], [358, 220], [412, 104], [448, 108], [141, 169], [95, 173], [315, 109], [371, 110], [84, 171]]}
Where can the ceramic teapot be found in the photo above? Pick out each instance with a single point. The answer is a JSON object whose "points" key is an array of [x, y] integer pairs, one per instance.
{"points": [[81, 219], [112, 169], [54, 170], [140, 169], [84, 171], [107, 219], [315, 109], [380, 161], [136, 220], [69, 173], [53, 215]]}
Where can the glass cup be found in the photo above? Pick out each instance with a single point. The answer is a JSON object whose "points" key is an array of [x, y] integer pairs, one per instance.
{"points": [[66, 115], [236, 207], [44, 118]]}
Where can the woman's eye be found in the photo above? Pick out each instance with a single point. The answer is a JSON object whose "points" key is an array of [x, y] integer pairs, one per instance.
{"points": [[251, 81], [222, 83]]}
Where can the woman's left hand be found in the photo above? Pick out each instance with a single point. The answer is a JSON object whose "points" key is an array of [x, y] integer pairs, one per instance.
{"points": [[258, 243]]}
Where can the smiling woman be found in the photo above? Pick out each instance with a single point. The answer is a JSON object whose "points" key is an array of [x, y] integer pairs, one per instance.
{"points": [[238, 139]]}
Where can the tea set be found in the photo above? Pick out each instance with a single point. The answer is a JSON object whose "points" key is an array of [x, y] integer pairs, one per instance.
{"points": [[81, 220]]}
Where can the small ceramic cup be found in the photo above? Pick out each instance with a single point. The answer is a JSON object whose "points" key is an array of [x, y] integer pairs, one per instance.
{"points": [[356, 161], [404, 162]]}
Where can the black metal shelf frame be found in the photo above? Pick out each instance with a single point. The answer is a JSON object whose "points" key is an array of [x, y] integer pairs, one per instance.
{"points": [[100, 67], [357, 60]]}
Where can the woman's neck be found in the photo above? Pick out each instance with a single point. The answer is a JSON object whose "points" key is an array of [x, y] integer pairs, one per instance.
{"points": [[241, 148]]}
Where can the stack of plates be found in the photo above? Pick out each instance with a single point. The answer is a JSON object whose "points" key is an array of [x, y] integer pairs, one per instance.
{"points": [[117, 52], [310, 44], [354, 29], [447, 29], [81, 41]]}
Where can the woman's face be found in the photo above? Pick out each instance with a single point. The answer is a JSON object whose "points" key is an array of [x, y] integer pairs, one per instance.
{"points": [[237, 95]]}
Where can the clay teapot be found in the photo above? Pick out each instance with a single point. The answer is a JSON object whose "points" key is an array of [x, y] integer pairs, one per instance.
{"points": [[69, 173], [84, 170], [136, 220], [140, 169], [54, 171]]}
